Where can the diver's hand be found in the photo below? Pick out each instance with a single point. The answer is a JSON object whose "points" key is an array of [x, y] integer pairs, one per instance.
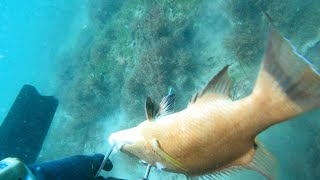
{"points": [[81, 167]]}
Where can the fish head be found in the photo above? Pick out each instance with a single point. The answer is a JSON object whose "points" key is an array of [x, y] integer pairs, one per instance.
{"points": [[134, 142], [131, 141], [126, 137], [139, 141]]}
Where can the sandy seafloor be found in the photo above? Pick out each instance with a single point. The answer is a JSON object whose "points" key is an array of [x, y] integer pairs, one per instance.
{"points": [[101, 58]]}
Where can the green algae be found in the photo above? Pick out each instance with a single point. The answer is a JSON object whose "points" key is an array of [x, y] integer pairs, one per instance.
{"points": [[142, 49]]}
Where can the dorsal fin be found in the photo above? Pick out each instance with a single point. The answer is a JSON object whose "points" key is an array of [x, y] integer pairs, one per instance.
{"points": [[219, 85], [167, 105], [150, 109]]}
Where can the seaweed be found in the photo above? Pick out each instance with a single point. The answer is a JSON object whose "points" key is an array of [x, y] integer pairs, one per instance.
{"points": [[246, 40], [163, 55], [137, 50], [100, 11]]}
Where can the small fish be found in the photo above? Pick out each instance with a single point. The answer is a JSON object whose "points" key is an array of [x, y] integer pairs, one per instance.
{"points": [[215, 135]]}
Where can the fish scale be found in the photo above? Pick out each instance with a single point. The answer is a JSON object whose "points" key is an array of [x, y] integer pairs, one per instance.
{"points": [[198, 129]]}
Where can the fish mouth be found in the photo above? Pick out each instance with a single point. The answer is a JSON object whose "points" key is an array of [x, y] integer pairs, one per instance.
{"points": [[124, 137]]}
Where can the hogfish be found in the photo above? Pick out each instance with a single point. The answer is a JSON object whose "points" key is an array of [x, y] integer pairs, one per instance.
{"points": [[215, 134]]}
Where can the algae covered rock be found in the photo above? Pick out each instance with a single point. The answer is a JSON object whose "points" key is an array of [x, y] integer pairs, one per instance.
{"points": [[142, 49]]}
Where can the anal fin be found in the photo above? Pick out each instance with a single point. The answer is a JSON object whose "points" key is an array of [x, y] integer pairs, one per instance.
{"points": [[263, 162], [257, 159]]}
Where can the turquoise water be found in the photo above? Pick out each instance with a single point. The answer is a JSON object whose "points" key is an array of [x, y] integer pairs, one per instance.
{"points": [[101, 59], [32, 34]]}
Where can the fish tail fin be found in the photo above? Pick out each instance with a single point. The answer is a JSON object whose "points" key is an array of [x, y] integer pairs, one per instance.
{"points": [[287, 84]]}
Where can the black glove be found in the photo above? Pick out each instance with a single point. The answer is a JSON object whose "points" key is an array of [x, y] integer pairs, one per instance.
{"points": [[82, 167]]}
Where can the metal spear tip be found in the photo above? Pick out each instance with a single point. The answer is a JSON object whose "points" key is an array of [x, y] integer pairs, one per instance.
{"points": [[105, 161]]}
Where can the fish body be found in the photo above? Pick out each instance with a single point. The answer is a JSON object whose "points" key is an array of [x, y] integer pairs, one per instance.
{"points": [[203, 137], [216, 134]]}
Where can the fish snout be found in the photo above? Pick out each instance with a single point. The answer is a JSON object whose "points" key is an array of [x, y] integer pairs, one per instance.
{"points": [[128, 136]]}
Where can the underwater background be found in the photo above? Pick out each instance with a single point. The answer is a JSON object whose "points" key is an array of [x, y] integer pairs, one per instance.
{"points": [[102, 58]]}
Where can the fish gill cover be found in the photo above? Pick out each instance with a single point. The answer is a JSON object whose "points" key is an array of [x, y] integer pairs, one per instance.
{"points": [[132, 49]]}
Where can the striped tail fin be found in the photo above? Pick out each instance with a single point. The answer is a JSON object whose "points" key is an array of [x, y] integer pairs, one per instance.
{"points": [[287, 84]]}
